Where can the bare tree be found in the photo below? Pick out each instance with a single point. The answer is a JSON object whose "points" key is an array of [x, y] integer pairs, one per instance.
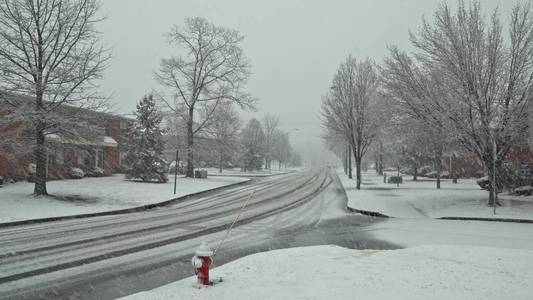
{"points": [[337, 144], [282, 150], [465, 77], [270, 126], [49, 53], [349, 107], [211, 69], [224, 128]]}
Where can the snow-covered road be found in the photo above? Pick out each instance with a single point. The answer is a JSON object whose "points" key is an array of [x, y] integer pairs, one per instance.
{"points": [[53, 257]]}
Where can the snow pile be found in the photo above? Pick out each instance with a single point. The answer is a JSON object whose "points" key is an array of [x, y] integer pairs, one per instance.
{"points": [[90, 195], [420, 199], [331, 272]]}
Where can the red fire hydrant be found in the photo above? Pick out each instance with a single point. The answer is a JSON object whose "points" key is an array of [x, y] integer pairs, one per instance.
{"points": [[201, 262]]}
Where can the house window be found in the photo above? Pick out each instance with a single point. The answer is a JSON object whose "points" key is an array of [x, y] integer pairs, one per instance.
{"points": [[123, 124], [99, 158], [60, 157], [81, 158], [122, 158]]}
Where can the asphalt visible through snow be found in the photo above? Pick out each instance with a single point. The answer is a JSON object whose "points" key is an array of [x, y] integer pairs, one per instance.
{"points": [[113, 256]]}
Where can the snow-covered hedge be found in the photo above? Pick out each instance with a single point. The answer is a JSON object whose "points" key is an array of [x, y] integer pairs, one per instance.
{"points": [[96, 172], [76, 173]]}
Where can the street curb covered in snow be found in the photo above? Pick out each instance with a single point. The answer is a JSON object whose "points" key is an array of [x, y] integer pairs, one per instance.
{"points": [[121, 211], [359, 211], [509, 220], [367, 212], [252, 175]]}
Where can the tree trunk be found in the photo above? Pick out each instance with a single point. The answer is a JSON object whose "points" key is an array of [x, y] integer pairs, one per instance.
{"points": [[415, 173], [492, 172], [452, 169], [345, 161], [358, 172], [220, 163], [438, 167], [398, 174], [380, 159], [40, 149], [350, 176], [358, 160], [492, 190], [190, 145], [40, 163]]}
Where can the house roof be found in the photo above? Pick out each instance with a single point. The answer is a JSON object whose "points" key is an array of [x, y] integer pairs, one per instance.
{"points": [[17, 99], [104, 141]]}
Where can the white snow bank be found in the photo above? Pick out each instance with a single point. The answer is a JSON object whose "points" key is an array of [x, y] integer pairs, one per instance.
{"points": [[330, 272], [420, 199], [90, 195]]}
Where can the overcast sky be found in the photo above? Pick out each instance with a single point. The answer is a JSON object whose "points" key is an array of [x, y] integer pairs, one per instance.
{"points": [[294, 46]]}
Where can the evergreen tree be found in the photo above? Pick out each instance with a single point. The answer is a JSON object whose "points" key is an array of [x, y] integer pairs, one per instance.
{"points": [[252, 141], [145, 155]]}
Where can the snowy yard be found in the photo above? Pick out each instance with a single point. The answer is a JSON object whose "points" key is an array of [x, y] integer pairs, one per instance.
{"points": [[331, 272], [420, 199], [90, 195]]}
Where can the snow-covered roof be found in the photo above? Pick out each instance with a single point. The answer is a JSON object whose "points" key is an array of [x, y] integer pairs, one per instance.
{"points": [[104, 141]]}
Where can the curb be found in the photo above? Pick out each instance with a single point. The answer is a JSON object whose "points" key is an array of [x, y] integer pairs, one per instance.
{"points": [[523, 221], [251, 175], [367, 212], [121, 211], [359, 211]]}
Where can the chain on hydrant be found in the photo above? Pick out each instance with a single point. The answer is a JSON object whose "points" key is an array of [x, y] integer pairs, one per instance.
{"points": [[201, 262]]}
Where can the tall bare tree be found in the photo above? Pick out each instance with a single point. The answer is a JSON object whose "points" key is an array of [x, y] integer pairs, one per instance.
{"points": [[50, 53], [224, 129], [349, 110], [210, 69], [270, 126], [466, 77]]}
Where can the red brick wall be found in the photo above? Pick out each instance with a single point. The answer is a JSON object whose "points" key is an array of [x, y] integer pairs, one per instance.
{"points": [[112, 160]]}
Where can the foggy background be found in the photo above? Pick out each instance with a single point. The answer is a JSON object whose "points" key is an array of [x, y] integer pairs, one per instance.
{"points": [[294, 47]]}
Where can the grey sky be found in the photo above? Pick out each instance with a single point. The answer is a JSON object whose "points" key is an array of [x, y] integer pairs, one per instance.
{"points": [[294, 46]]}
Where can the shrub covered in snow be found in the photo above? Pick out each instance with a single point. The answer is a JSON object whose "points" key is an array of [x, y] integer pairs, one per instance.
{"points": [[76, 173], [95, 172]]}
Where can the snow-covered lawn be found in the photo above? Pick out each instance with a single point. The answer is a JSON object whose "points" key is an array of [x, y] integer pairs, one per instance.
{"points": [[420, 199], [331, 272], [90, 195], [417, 232]]}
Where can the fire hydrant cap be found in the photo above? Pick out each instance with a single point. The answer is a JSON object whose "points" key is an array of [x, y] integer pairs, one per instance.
{"points": [[204, 250]]}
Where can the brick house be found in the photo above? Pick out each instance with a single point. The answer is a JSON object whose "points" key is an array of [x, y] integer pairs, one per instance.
{"points": [[103, 147]]}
